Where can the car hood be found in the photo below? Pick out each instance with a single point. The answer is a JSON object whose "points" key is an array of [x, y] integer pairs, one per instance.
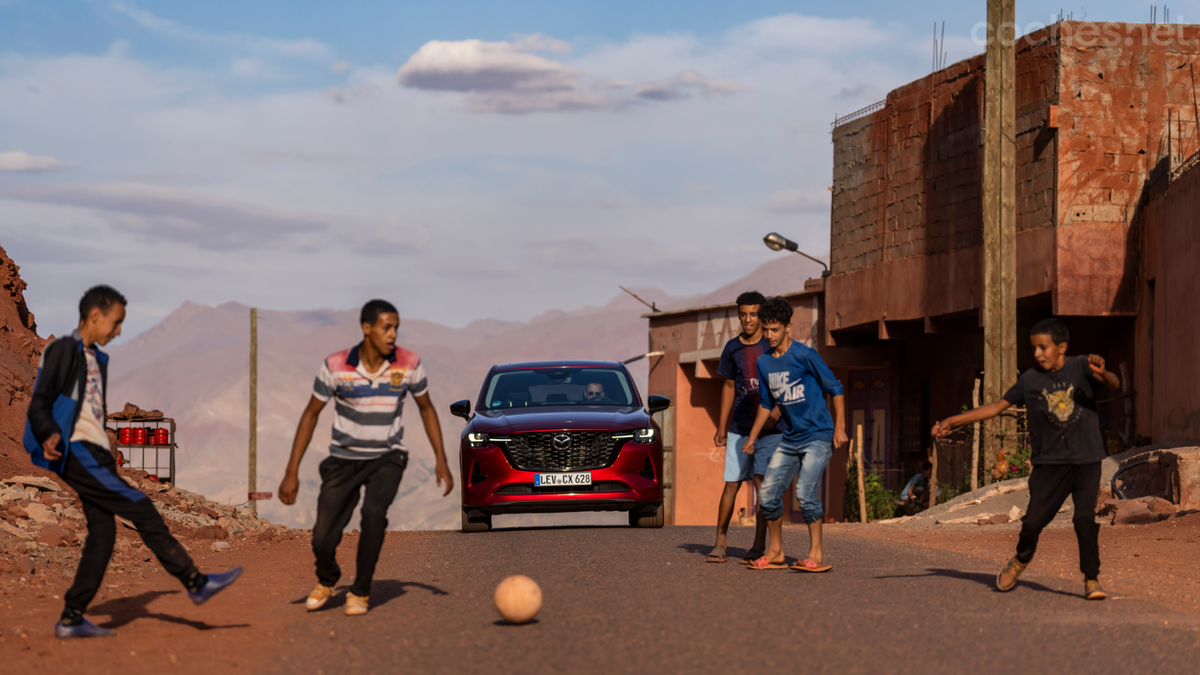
{"points": [[559, 417]]}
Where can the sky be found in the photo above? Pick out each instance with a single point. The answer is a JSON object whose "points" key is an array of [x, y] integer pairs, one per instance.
{"points": [[465, 160]]}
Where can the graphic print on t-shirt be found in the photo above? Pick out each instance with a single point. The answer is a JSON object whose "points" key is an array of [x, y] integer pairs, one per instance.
{"points": [[91, 394], [1061, 403], [784, 390]]}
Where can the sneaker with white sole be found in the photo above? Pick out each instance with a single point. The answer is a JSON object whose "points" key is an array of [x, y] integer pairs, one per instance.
{"points": [[319, 596], [356, 605]]}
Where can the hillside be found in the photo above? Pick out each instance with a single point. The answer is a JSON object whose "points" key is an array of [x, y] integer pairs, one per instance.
{"points": [[20, 348]]}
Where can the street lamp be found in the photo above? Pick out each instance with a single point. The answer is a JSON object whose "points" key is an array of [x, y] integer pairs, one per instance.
{"points": [[778, 242]]}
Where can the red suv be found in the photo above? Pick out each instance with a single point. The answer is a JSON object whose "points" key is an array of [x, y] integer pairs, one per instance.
{"points": [[558, 436]]}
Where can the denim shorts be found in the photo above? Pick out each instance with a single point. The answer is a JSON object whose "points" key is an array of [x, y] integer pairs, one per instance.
{"points": [[739, 466], [808, 460]]}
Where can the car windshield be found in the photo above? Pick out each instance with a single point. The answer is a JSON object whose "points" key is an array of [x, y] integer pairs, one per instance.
{"points": [[558, 386]]}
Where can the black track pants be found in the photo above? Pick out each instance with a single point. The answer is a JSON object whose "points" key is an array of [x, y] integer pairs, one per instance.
{"points": [[1049, 485], [92, 472], [341, 482]]}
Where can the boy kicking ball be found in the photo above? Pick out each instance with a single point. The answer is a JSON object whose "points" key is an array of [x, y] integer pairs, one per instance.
{"points": [[65, 433], [1064, 433], [796, 380]]}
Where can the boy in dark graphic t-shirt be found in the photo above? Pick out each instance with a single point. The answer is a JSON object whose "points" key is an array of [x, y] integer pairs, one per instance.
{"points": [[739, 405], [1064, 433]]}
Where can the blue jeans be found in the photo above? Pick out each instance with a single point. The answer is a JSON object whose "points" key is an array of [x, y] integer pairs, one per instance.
{"points": [[809, 460], [739, 466]]}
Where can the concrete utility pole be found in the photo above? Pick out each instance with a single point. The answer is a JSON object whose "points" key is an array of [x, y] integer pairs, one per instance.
{"points": [[252, 486], [999, 216]]}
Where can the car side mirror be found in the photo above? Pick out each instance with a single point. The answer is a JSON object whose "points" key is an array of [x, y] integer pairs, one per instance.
{"points": [[658, 403], [461, 409]]}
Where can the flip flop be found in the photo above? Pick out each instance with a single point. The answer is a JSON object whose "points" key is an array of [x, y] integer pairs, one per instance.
{"points": [[808, 565], [764, 564], [716, 557]]}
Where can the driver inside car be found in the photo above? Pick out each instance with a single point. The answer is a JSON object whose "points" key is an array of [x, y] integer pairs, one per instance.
{"points": [[593, 391]]}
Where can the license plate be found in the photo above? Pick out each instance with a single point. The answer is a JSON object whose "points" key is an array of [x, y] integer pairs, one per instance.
{"points": [[556, 479]]}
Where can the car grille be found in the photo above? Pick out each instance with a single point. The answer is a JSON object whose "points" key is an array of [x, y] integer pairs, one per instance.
{"points": [[537, 451]]}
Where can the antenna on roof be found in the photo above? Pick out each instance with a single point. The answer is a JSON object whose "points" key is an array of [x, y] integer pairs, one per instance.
{"points": [[635, 297]]}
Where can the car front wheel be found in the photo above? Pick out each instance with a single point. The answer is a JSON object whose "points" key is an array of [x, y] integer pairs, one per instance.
{"points": [[476, 523], [648, 516]]}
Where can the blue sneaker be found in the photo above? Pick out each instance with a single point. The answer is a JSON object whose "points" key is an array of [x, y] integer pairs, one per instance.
{"points": [[85, 629], [216, 583]]}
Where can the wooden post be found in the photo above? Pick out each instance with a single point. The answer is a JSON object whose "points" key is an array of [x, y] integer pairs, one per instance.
{"points": [[252, 483], [999, 217], [975, 440], [862, 495], [933, 475]]}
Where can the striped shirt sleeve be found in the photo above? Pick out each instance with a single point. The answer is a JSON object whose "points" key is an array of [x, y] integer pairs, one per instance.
{"points": [[324, 385], [418, 384]]}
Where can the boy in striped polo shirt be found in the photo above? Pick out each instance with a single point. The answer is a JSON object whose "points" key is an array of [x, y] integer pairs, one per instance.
{"points": [[369, 383]]}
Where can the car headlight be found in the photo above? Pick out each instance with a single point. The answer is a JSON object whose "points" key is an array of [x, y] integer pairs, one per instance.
{"points": [[477, 440], [644, 435]]}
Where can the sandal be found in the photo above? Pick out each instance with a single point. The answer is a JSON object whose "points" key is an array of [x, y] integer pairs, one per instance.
{"points": [[809, 565], [764, 564]]}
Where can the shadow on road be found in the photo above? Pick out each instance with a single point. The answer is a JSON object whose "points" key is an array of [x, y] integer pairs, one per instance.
{"points": [[389, 589], [731, 552], [535, 528], [981, 578], [382, 591], [123, 611]]}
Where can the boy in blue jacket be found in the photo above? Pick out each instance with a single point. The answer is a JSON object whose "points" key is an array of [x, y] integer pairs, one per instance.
{"points": [[794, 378], [65, 433]]}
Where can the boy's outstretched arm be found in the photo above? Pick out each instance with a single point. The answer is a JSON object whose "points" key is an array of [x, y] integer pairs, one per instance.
{"points": [[433, 429], [979, 414], [1096, 365], [290, 484]]}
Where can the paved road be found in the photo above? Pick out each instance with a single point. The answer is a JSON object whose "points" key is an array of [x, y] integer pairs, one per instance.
{"points": [[624, 600]]}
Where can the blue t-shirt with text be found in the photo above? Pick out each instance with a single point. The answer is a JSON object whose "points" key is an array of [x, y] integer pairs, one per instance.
{"points": [[739, 362], [797, 382]]}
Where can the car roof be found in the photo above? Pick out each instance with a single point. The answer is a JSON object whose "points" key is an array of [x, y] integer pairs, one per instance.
{"points": [[529, 365]]}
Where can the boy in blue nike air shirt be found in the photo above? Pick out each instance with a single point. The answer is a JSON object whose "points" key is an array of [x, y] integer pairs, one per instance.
{"points": [[794, 378]]}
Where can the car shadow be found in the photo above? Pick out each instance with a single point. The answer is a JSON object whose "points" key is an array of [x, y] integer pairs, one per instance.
{"points": [[981, 578], [535, 528], [123, 611]]}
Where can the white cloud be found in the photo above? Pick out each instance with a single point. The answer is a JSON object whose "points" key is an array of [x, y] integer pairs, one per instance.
{"points": [[304, 48], [340, 66], [541, 43], [798, 200], [684, 85], [207, 221], [19, 161], [478, 66], [504, 78]]}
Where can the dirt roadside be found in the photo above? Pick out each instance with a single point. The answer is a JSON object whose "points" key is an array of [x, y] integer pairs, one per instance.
{"points": [[1155, 562]]}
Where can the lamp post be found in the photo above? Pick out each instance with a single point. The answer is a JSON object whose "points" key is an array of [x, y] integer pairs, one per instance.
{"points": [[778, 242]]}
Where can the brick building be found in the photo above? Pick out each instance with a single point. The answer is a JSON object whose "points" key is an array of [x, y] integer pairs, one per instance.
{"points": [[1106, 215]]}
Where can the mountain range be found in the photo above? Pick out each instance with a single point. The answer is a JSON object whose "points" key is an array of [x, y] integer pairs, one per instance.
{"points": [[194, 366]]}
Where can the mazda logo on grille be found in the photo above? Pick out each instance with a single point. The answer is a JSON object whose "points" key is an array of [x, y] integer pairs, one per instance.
{"points": [[562, 442]]}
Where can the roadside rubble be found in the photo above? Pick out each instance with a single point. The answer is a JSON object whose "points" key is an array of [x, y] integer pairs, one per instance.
{"points": [[43, 525]]}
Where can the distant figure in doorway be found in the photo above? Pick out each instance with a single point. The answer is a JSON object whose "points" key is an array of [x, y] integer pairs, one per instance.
{"points": [[912, 497]]}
